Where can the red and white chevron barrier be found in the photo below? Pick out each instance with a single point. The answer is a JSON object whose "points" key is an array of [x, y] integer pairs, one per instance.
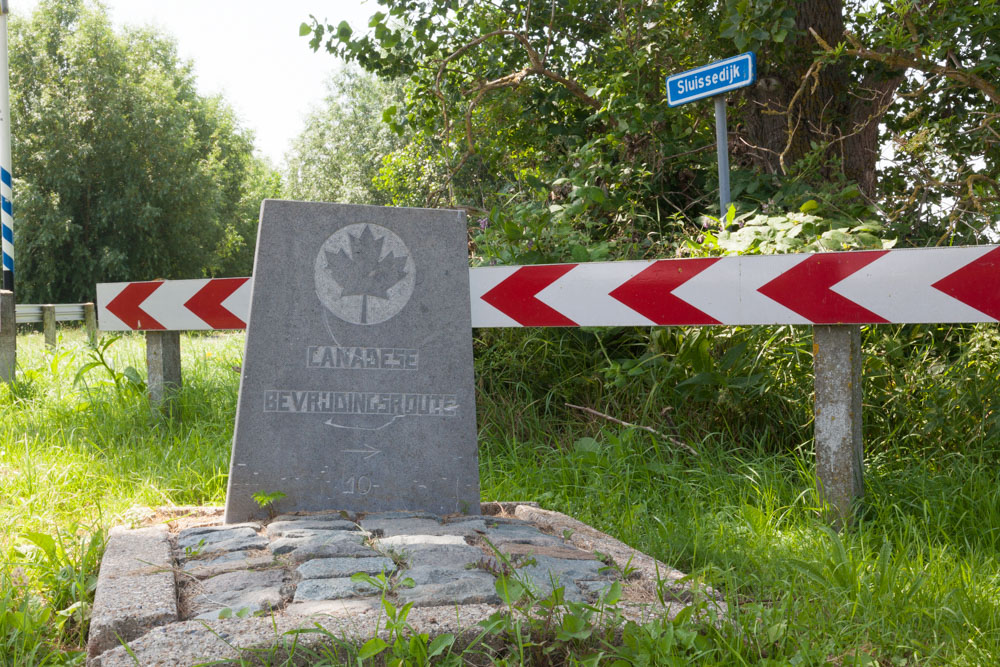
{"points": [[863, 287], [176, 305]]}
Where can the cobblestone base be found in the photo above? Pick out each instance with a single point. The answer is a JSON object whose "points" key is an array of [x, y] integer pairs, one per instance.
{"points": [[201, 590]]}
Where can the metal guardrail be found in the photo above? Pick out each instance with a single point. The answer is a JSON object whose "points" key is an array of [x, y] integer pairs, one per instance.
{"points": [[26, 313], [50, 313]]}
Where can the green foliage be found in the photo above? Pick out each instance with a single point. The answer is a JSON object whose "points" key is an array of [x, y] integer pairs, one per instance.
{"points": [[938, 183], [522, 114], [74, 458], [266, 501], [127, 380], [565, 160], [123, 171], [756, 24], [234, 254], [753, 233]]}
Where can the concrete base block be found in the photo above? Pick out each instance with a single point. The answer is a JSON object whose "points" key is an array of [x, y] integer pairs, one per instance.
{"points": [[135, 588], [839, 446]]}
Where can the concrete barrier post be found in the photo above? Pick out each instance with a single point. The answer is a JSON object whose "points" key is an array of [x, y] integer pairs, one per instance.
{"points": [[163, 368], [8, 336], [49, 325], [839, 446], [90, 322]]}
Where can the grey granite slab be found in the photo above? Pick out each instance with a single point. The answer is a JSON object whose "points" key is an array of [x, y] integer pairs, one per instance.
{"points": [[329, 515], [252, 590], [398, 542], [331, 589], [431, 554], [344, 607], [243, 543], [548, 573], [197, 538], [324, 544], [439, 573], [299, 533], [227, 561], [520, 534], [474, 587], [195, 530], [323, 568], [399, 514], [281, 528], [390, 527], [357, 387]]}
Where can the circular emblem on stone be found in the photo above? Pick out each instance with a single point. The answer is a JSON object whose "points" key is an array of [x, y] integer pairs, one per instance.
{"points": [[364, 274]]}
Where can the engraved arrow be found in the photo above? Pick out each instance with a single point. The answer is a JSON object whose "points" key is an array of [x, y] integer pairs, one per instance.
{"points": [[368, 449]]}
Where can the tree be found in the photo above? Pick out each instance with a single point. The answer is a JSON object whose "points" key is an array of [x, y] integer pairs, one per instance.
{"points": [[338, 154], [235, 252], [123, 172], [900, 98], [564, 100]]}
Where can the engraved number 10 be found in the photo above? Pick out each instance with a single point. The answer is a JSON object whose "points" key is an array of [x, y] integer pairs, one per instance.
{"points": [[361, 485]]}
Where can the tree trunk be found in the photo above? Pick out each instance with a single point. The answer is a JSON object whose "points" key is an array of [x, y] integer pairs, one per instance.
{"points": [[797, 105]]}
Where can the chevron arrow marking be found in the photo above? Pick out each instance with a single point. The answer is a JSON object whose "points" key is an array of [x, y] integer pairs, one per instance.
{"points": [[805, 288], [650, 292], [515, 296], [207, 303], [899, 285], [976, 284], [126, 306]]}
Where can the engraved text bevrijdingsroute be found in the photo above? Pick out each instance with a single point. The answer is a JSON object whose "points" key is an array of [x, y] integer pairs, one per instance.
{"points": [[362, 358], [360, 403]]}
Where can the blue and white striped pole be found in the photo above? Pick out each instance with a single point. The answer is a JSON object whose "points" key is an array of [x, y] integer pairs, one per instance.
{"points": [[6, 191]]}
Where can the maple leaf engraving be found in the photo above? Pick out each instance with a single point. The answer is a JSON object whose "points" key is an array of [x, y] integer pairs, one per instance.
{"points": [[365, 272]]}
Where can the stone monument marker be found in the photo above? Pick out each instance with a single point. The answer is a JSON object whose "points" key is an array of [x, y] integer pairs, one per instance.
{"points": [[357, 388]]}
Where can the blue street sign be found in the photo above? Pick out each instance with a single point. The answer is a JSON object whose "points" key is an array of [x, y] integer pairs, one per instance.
{"points": [[710, 80]]}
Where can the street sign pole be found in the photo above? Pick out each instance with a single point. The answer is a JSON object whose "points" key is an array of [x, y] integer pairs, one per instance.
{"points": [[722, 152], [715, 80]]}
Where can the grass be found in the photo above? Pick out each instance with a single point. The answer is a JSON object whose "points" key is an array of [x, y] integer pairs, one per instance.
{"points": [[916, 580]]}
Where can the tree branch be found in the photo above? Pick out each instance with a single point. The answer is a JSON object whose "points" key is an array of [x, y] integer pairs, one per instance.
{"points": [[512, 80], [900, 61], [669, 438]]}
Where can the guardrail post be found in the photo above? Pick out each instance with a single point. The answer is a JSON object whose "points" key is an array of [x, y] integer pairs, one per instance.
{"points": [[839, 447], [90, 322], [8, 336], [49, 324], [163, 368]]}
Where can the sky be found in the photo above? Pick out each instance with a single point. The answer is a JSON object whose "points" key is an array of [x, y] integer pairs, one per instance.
{"points": [[250, 51]]}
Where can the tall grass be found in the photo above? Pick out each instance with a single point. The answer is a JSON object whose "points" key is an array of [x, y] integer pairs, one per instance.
{"points": [[76, 456], [916, 580]]}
